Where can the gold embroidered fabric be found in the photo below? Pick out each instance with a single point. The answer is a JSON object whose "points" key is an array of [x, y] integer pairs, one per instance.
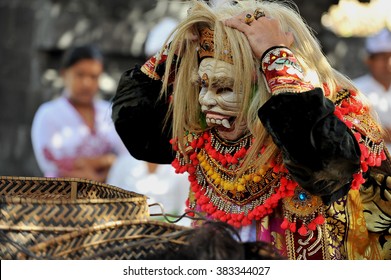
{"points": [[376, 201]]}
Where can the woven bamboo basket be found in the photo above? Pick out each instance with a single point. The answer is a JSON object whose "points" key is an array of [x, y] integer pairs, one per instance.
{"points": [[120, 240], [36, 209]]}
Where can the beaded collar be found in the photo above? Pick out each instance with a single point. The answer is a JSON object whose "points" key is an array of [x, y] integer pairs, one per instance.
{"points": [[213, 166]]}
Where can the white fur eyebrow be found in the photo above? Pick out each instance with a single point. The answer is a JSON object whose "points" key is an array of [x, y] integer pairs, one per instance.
{"points": [[222, 82]]}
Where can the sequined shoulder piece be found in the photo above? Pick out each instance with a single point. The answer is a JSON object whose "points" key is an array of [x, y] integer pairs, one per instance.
{"points": [[358, 116], [366, 130]]}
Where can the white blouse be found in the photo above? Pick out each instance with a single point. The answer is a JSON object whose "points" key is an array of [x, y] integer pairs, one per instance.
{"points": [[59, 134]]}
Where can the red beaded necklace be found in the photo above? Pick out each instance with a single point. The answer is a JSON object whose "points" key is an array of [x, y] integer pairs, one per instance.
{"points": [[212, 168]]}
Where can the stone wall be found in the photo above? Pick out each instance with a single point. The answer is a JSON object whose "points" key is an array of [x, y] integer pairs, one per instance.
{"points": [[35, 33], [19, 83]]}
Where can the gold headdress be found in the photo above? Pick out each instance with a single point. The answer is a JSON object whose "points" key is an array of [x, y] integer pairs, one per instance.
{"points": [[207, 47]]}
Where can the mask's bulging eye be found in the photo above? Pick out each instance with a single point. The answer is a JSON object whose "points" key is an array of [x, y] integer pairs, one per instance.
{"points": [[223, 90]]}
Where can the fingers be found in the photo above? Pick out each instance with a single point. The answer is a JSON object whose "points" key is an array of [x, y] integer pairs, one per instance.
{"points": [[262, 32], [237, 23], [251, 24], [245, 19]]}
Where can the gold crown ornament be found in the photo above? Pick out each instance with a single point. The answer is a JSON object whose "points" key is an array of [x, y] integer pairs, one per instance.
{"points": [[207, 47]]}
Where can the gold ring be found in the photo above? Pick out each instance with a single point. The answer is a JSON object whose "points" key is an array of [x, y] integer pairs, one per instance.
{"points": [[258, 13], [249, 18]]}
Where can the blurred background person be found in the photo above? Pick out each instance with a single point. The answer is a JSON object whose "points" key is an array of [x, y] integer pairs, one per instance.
{"points": [[73, 135], [376, 84]]}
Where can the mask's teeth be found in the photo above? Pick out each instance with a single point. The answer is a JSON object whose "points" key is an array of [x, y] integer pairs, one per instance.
{"points": [[225, 123]]}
